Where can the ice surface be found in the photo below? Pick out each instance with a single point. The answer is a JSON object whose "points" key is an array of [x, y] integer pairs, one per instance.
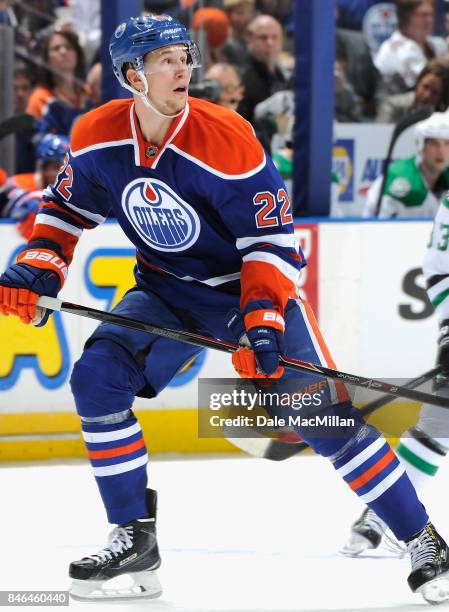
{"points": [[236, 534]]}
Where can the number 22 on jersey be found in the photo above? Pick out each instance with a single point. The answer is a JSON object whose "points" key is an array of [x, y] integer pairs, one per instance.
{"points": [[273, 211]]}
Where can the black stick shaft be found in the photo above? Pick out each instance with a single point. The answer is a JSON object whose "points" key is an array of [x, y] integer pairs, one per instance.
{"points": [[230, 347]]}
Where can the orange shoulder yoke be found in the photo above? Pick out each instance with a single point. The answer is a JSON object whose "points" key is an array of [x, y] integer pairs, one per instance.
{"points": [[219, 138], [107, 123]]}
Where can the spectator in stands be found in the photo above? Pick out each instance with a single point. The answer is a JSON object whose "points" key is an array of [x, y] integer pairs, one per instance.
{"points": [[263, 76], [402, 57], [431, 90], [359, 69], [215, 23], [21, 194], [240, 13], [231, 88], [23, 86], [347, 103], [350, 13], [94, 84], [61, 80], [415, 185], [84, 18], [282, 11]]}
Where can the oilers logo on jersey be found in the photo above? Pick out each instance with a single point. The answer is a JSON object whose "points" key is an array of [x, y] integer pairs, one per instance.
{"points": [[161, 218]]}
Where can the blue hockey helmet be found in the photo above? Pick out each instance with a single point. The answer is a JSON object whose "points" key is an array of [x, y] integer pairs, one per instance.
{"points": [[137, 36], [52, 147]]}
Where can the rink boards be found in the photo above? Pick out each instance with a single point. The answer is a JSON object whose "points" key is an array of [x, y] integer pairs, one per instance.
{"points": [[363, 279]]}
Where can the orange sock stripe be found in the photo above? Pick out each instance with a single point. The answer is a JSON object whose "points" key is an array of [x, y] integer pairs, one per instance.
{"points": [[342, 392], [116, 452], [364, 478]]}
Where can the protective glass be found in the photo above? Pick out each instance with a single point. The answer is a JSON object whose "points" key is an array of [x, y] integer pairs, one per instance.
{"points": [[173, 59]]}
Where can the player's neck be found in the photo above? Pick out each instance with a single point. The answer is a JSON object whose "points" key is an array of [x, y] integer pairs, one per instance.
{"points": [[153, 127]]}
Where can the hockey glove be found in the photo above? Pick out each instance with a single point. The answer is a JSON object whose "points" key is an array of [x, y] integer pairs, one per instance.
{"points": [[260, 332], [37, 272]]}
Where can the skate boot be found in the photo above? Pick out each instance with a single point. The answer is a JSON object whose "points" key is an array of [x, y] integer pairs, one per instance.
{"points": [[366, 533], [125, 568], [429, 555]]}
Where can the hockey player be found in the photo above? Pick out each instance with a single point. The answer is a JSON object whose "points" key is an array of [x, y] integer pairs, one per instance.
{"points": [[21, 194], [194, 191], [415, 185], [423, 448]]}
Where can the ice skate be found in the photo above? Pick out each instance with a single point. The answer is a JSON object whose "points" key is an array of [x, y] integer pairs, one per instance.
{"points": [[125, 568], [429, 555], [366, 533]]}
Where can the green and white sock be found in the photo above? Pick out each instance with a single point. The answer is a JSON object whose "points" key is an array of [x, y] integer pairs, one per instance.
{"points": [[421, 456]]}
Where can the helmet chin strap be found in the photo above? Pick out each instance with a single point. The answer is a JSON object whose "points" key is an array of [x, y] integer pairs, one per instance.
{"points": [[146, 99]]}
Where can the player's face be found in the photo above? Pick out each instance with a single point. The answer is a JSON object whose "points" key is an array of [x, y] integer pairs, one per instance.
{"points": [[436, 154], [168, 74]]}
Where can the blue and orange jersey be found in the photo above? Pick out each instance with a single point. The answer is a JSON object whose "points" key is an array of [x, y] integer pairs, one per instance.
{"points": [[206, 207]]}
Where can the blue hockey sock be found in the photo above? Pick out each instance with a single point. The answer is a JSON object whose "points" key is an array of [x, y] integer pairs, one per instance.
{"points": [[373, 472], [119, 458]]}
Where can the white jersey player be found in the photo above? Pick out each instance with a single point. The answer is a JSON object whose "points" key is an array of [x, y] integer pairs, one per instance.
{"points": [[415, 185], [423, 448]]}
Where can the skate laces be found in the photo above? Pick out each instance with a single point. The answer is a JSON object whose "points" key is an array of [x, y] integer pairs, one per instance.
{"points": [[423, 549], [120, 539]]}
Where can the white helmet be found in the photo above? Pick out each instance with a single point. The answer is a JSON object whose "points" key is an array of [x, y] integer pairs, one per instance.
{"points": [[436, 126]]}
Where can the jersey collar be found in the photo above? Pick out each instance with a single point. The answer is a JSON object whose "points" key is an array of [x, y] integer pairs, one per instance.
{"points": [[141, 146]]}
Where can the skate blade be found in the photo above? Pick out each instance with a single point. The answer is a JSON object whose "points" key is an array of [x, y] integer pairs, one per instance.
{"points": [[356, 545], [436, 591], [135, 585]]}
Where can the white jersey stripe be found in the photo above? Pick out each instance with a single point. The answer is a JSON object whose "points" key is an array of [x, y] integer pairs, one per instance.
{"points": [[287, 270], [103, 145], [438, 288], [42, 219], [365, 454], [85, 213], [120, 468], [109, 436], [134, 133], [282, 240], [229, 177], [383, 485]]}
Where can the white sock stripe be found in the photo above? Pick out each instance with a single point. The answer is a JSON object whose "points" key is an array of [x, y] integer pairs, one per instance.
{"points": [[383, 485], [421, 451], [120, 468], [365, 454], [109, 436]]}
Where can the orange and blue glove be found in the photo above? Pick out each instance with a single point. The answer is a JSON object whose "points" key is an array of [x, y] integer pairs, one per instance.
{"points": [[38, 271], [260, 331]]}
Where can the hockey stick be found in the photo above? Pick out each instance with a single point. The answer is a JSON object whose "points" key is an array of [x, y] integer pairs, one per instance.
{"points": [[16, 124], [231, 347], [400, 127], [278, 450]]}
